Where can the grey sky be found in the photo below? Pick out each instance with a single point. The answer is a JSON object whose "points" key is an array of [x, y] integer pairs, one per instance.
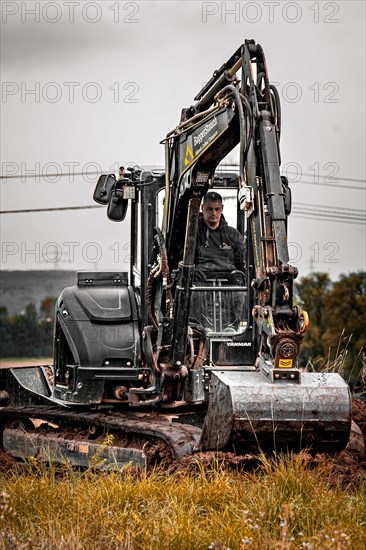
{"points": [[132, 72]]}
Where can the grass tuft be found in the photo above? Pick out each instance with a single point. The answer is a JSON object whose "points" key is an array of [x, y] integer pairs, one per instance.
{"points": [[284, 504]]}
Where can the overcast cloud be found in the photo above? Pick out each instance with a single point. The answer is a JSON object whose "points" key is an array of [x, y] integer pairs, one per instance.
{"points": [[106, 92]]}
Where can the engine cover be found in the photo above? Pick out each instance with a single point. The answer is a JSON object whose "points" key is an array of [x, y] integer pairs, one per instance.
{"points": [[96, 337]]}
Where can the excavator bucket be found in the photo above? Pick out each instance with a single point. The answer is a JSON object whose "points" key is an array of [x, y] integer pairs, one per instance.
{"points": [[247, 410]]}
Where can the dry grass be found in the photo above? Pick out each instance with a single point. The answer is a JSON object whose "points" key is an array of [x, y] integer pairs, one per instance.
{"points": [[337, 364], [284, 504]]}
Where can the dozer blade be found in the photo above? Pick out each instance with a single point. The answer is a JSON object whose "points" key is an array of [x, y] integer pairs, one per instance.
{"points": [[248, 411], [82, 453]]}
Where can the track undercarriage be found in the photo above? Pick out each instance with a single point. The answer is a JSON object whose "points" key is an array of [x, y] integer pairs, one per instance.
{"points": [[245, 414], [104, 440]]}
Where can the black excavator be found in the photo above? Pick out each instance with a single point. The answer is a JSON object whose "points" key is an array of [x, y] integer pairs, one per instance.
{"points": [[164, 362]]}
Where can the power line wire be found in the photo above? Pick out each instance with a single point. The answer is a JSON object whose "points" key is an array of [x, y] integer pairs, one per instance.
{"points": [[351, 212], [342, 208], [68, 174], [348, 222], [62, 175], [330, 216], [304, 213], [329, 212], [300, 174], [357, 180], [347, 187], [26, 211]]}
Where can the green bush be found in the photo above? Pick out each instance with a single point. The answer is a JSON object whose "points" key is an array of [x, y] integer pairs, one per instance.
{"points": [[25, 335]]}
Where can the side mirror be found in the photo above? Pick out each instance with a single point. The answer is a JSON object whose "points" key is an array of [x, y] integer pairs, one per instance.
{"points": [[104, 187], [117, 206], [287, 195]]}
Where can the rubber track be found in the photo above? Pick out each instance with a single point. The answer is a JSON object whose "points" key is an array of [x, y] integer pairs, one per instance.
{"points": [[182, 439]]}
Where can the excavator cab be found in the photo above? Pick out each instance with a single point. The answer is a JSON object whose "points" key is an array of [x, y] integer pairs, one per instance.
{"points": [[221, 303], [218, 299]]}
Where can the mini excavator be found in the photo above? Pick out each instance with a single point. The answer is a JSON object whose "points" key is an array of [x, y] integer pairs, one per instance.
{"points": [[166, 363]]}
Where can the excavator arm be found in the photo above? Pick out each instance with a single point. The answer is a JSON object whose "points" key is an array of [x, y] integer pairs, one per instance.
{"points": [[270, 402], [229, 112]]}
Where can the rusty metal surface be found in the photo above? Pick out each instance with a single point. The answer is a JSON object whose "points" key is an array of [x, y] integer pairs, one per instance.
{"points": [[34, 379], [53, 447], [26, 386], [247, 410], [182, 439]]}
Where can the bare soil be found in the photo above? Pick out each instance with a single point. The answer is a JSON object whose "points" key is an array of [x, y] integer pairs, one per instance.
{"points": [[359, 415], [344, 469]]}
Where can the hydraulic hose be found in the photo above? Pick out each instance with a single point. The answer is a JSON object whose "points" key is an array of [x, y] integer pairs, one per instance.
{"points": [[161, 269], [244, 146]]}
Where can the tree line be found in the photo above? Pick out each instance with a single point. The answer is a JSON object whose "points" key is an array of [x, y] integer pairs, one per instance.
{"points": [[29, 334], [336, 338]]}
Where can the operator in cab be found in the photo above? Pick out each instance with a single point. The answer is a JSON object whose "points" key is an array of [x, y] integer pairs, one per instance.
{"points": [[121, 173], [220, 248]]}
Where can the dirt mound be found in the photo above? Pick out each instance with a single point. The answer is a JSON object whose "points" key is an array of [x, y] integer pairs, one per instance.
{"points": [[359, 415], [212, 460], [340, 470], [345, 468]]}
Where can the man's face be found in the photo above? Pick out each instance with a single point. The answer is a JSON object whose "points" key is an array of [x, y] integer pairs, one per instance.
{"points": [[121, 173], [212, 211]]}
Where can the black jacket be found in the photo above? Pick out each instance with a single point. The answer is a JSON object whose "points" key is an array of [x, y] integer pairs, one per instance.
{"points": [[220, 249]]}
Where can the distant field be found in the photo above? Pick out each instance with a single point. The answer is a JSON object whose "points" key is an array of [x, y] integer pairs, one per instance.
{"points": [[25, 361]]}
